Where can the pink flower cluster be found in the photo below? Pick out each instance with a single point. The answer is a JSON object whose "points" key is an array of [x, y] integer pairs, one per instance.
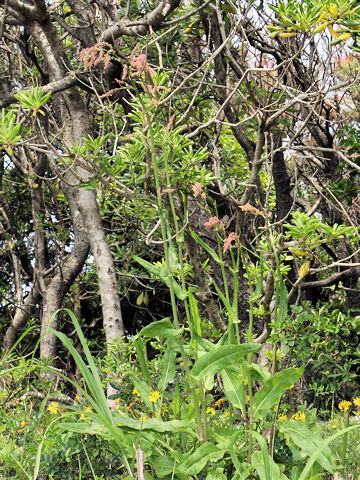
{"points": [[139, 61], [213, 221], [197, 189], [228, 241], [93, 56]]}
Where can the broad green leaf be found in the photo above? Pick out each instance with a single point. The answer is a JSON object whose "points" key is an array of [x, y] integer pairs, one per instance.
{"points": [[274, 388], [222, 357], [142, 358], [204, 343], [309, 441], [323, 445], [259, 373], [162, 328], [197, 460], [163, 464], [154, 424], [195, 315], [168, 364], [234, 388], [262, 459], [85, 428], [257, 461]]}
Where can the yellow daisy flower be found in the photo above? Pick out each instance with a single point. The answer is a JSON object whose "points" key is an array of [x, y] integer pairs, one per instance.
{"points": [[282, 417], [210, 410], [154, 396], [143, 419], [356, 401], [53, 408], [136, 392], [344, 405], [300, 416]]}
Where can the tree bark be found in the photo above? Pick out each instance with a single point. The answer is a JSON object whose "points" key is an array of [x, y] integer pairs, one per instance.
{"points": [[81, 201]]}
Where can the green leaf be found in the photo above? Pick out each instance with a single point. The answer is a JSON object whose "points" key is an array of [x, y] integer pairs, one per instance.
{"points": [[234, 388], [195, 314], [168, 364], [261, 459], [161, 273], [283, 302], [323, 445], [85, 428], [206, 247], [154, 424], [274, 388], [164, 465], [273, 472], [309, 441], [196, 461], [162, 328], [142, 358], [222, 357]]}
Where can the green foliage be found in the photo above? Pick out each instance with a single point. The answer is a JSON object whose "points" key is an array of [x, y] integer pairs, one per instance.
{"points": [[325, 338], [294, 17], [33, 99], [8, 130]]}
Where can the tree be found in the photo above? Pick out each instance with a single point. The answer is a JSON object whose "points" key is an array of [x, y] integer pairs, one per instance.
{"points": [[254, 98]]}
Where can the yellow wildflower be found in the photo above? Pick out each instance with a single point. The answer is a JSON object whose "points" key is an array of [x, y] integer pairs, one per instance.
{"points": [[219, 402], [181, 364], [154, 396], [344, 405], [156, 414], [136, 392], [20, 430], [143, 419], [23, 424], [210, 410], [117, 407], [53, 408], [117, 401], [332, 423], [226, 414], [76, 398], [282, 417], [88, 410], [356, 401], [300, 416]]}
